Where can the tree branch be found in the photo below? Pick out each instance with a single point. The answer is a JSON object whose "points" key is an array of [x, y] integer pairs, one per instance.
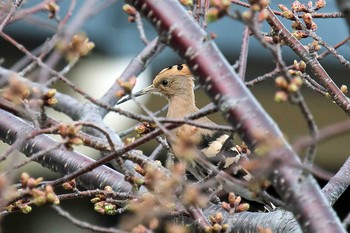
{"points": [[59, 159], [299, 191]]}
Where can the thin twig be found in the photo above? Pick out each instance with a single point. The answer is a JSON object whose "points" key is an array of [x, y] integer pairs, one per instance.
{"points": [[141, 29], [304, 54], [297, 97], [325, 53], [313, 14], [69, 12], [83, 224], [10, 14], [330, 49], [93, 193], [338, 183], [29, 11], [333, 130], [123, 150], [243, 58], [152, 116], [31, 158], [346, 221], [156, 152], [264, 77]]}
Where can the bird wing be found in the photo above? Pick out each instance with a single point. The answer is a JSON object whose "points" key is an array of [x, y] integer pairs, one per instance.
{"points": [[219, 146]]}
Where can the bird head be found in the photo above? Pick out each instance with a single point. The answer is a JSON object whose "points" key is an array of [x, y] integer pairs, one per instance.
{"points": [[173, 81]]}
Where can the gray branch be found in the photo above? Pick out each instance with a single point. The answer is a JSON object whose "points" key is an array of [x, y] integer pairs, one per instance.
{"points": [[58, 160]]}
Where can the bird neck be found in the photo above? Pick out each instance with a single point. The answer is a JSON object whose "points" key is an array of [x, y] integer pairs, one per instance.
{"points": [[181, 105]]}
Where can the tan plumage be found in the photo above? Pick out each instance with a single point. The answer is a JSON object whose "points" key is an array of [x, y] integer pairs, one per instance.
{"points": [[176, 83]]}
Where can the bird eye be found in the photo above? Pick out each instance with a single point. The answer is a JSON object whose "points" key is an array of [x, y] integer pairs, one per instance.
{"points": [[165, 82]]}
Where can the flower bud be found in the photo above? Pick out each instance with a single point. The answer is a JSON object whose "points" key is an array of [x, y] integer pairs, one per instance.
{"points": [[186, 2], [281, 96], [243, 207], [344, 89], [26, 209], [212, 15], [281, 82]]}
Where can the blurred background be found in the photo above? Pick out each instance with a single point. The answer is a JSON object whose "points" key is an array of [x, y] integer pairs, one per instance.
{"points": [[117, 41]]}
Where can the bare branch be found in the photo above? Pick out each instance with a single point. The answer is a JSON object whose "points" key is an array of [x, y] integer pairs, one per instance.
{"points": [[238, 106]]}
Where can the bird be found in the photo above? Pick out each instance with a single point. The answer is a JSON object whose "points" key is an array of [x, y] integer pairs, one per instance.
{"points": [[176, 83]]}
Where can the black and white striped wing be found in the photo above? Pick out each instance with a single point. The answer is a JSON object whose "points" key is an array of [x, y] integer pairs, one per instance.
{"points": [[219, 147]]}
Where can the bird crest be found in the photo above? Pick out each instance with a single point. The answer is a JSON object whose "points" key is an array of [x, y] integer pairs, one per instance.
{"points": [[174, 80], [180, 69], [171, 72]]}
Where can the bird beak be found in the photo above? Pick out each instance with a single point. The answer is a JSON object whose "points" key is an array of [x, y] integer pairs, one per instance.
{"points": [[144, 91]]}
